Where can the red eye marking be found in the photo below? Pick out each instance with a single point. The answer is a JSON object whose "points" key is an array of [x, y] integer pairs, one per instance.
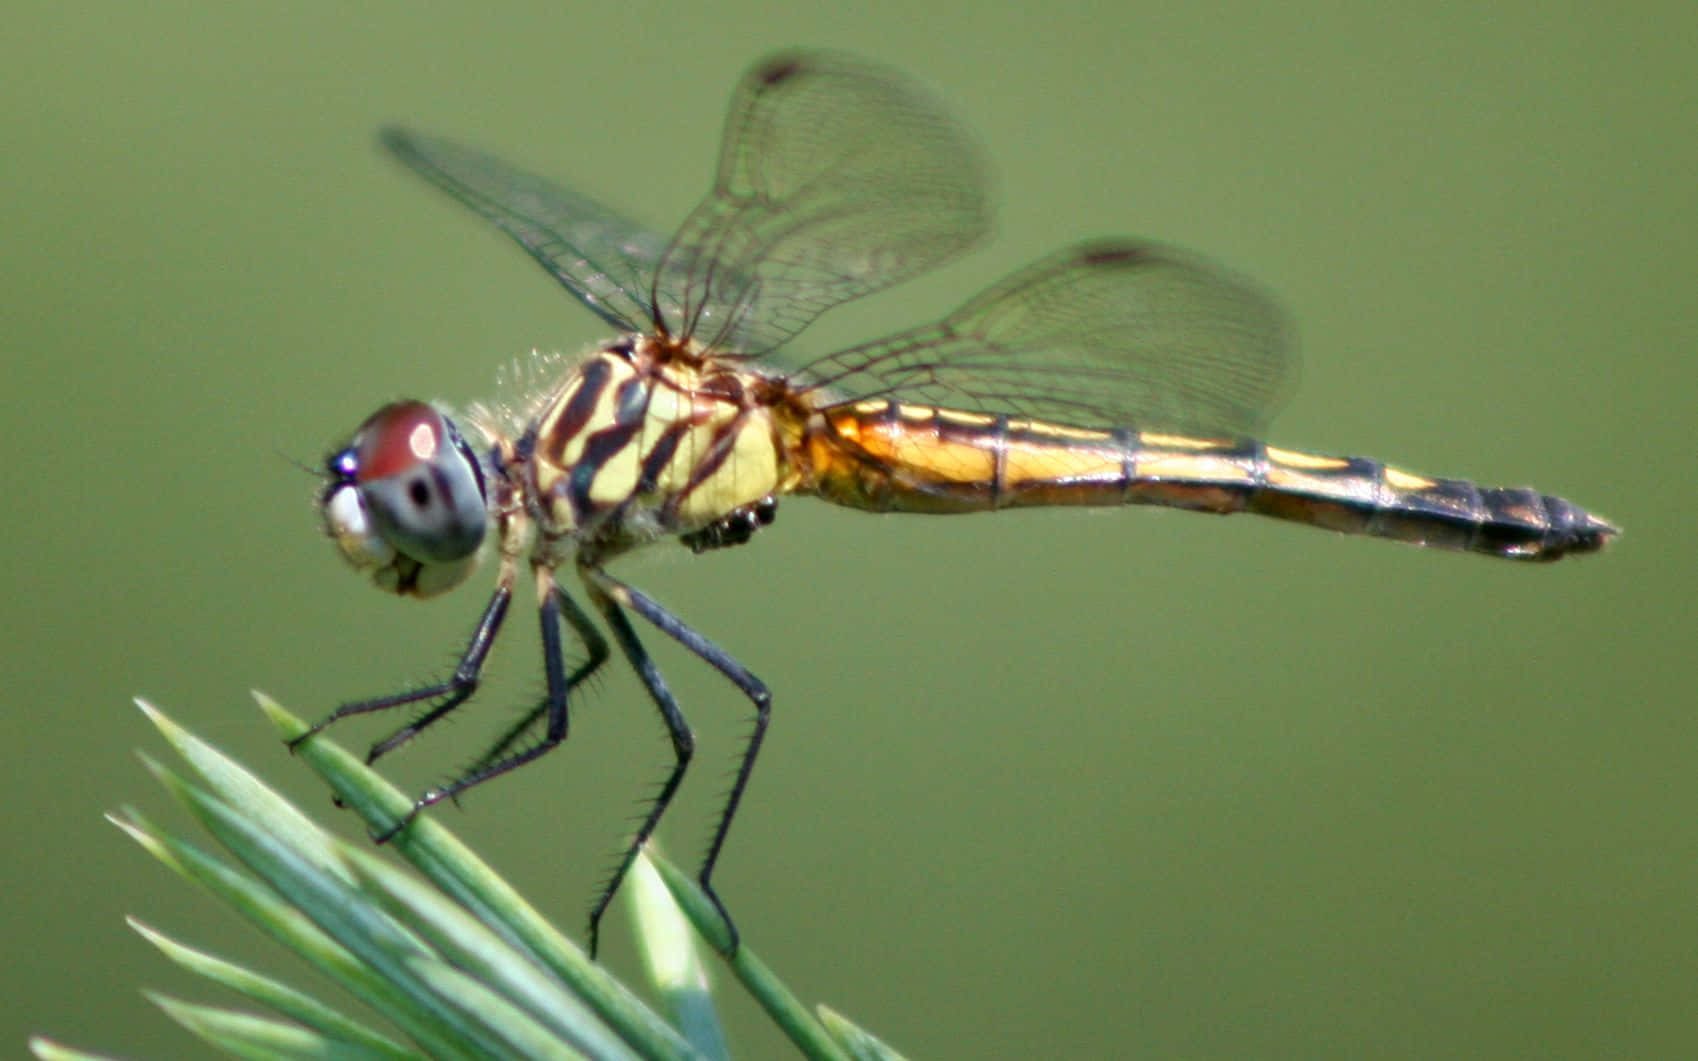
{"points": [[396, 438]]}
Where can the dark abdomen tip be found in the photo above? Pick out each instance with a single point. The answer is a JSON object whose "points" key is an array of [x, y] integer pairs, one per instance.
{"points": [[1527, 525], [1575, 530]]}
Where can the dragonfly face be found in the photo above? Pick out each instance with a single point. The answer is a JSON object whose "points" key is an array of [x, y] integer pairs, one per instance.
{"points": [[405, 500], [1114, 372]]}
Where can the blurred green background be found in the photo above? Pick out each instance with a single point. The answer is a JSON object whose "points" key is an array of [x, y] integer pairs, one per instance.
{"points": [[1054, 783]]}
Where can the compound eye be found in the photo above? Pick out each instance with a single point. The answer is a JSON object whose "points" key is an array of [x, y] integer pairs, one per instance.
{"points": [[405, 502], [420, 483]]}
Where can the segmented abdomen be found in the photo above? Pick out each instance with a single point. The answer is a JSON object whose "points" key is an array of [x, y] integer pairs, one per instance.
{"points": [[890, 456]]}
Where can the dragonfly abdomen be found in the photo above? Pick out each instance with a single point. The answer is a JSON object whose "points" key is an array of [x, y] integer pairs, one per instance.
{"points": [[901, 457]]}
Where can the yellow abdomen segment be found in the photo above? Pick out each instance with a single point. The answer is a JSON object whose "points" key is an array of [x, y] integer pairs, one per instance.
{"points": [[896, 457], [890, 456]]}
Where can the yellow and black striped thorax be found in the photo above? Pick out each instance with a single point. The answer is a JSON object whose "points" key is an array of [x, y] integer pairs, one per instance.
{"points": [[644, 439]]}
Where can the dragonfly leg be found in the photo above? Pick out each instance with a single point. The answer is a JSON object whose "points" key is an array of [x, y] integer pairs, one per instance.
{"points": [[452, 693], [596, 645], [612, 596], [552, 709]]}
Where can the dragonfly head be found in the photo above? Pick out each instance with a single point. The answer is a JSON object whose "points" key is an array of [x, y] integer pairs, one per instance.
{"points": [[405, 500]]}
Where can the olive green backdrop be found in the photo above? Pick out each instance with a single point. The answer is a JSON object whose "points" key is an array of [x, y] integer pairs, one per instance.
{"points": [[1070, 783]]}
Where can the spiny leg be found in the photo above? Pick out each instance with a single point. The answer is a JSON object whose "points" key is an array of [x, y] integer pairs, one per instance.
{"points": [[683, 746], [611, 596], [455, 691], [553, 706], [598, 654]]}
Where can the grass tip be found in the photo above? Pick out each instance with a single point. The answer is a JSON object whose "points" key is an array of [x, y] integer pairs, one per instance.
{"points": [[286, 724]]}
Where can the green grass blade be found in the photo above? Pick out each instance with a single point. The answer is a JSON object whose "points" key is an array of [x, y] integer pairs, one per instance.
{"points": [[512, 1028], [674, 963], [861, 1044], [786, 1010], [239, 789], [276, 996], [256, 1038], [273, 915], [451, 866], [473, 947], [337, 907], [468, 970], [51, 1050]]}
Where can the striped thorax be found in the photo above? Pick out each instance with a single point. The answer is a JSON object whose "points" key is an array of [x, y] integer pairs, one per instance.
{"points": [[646, 440]]}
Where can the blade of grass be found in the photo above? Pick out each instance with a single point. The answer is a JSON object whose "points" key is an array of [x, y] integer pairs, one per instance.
{"points": [[449, 864], [518, 1035], [479, 951], [668, 948], [333, 905], [264, 908], [786, 1010], [238, 788], [456, 976], [275, 995], [861, 1044], [51, 1050], [254, 1037]]}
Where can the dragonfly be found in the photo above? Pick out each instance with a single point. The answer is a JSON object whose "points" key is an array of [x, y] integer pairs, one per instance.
{"points": [[1113, 372]]}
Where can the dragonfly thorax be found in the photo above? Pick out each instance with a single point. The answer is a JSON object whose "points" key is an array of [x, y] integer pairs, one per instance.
{"points": [[645, 440]]}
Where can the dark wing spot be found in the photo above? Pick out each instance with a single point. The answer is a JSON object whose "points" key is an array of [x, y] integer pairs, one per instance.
{"points": [[780, 69], [1113, 254]]}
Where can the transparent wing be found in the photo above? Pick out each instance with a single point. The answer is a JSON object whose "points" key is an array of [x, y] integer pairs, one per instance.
{"points": [[604, 260], [836, 179], [1116, 333]]}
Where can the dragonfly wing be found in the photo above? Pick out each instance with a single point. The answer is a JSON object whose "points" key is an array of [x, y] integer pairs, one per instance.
{"points": [[1112, 333], [604, 260], [836, 179]]}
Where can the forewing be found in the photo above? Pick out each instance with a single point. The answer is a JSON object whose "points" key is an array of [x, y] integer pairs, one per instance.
{"points": [[1118, 333], [836, 179], [604, 260]]}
